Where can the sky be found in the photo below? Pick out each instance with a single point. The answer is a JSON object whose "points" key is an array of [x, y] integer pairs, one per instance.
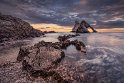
{"points": [[61, 14]]}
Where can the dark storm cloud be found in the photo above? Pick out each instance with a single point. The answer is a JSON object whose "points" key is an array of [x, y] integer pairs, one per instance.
{"points": [[117, 24], [106, 13]]}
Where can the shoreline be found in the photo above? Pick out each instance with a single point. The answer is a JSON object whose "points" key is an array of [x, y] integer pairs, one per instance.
{"points": [[104, 54]]}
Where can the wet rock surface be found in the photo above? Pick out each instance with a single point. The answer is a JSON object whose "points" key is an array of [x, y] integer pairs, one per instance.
{"points": [[44, 60], [65, 37], [65, 42], [98, 65], [40, 57], [12, 28]]}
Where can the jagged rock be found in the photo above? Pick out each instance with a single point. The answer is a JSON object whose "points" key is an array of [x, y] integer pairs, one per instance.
{"points": [[14, 28], [40, 57], [79, 45], [44, 60], [23, 52], [40, 60], [65, 37], [65, 43], [82, 27]]}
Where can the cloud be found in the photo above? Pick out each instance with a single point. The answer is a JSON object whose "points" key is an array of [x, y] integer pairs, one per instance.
{"points": [[113, 24], [105, 13]]}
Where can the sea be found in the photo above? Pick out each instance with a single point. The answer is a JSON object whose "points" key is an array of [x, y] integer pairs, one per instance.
{"points": [[104, 55]]}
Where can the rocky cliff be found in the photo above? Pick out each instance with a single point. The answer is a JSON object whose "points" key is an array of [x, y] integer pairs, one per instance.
{"points": [[12, 28]]}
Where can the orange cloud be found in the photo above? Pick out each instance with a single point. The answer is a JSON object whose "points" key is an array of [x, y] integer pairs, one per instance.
{"points": [[51, 27]]}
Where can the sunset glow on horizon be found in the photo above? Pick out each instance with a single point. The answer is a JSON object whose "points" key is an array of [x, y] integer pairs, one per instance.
{"points": [[60, 15], [58, 28]]}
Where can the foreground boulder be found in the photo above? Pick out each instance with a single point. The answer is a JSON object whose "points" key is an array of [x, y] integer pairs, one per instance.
{"points": [[40, 57], [41, 60], [12, 28], [44, 59], [44, 62]]}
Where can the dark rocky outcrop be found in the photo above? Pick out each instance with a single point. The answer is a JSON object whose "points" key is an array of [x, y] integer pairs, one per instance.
{"points": [[65, 37], [40, 57], [73, 67], [44, 61], [40, 60], [44, 58], [65, 43], [82, 27], [12, 28], [79, 45]]}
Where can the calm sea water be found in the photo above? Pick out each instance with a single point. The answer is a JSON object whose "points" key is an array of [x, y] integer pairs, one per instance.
{"points": [[105, 54]]}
